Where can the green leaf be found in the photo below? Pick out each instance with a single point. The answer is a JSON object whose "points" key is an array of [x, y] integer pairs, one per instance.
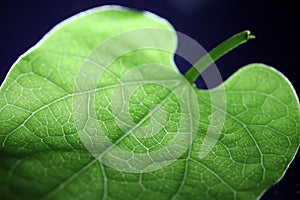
{"points": [[44, 154]]}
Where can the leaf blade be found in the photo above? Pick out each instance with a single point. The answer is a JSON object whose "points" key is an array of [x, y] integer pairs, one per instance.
{"points": [[232, 170]]}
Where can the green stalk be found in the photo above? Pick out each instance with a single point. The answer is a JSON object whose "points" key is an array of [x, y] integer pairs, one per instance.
{"points": [[216, 53]]}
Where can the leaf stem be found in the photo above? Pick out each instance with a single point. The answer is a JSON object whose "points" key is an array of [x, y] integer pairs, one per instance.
{"points": [[216, 53]]}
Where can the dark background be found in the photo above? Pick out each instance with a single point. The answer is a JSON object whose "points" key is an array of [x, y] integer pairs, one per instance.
{"points": [[23, 23]]}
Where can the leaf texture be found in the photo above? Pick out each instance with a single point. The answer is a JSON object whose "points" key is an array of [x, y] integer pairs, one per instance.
{"points": [[42, 156]]}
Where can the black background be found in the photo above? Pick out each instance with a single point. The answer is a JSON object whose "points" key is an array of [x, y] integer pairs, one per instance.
{"points": [[23, 23]]}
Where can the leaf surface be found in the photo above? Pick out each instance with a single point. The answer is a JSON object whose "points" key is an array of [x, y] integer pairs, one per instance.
{"points": [[43, 157]]}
